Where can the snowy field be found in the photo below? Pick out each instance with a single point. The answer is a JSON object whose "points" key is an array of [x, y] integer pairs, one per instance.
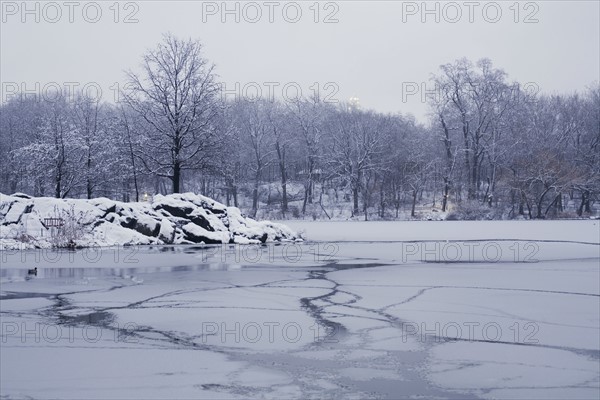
{"points": [[507, 310]]}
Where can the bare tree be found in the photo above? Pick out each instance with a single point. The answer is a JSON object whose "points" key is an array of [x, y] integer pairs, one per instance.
{"points": [[254, 125], [473, 100], [279, 122], [178, 97], [93, 140], [130, 138], [583, 117], [53, 154], [493, 149], [356, 150], [21, 119], [309, 115]]}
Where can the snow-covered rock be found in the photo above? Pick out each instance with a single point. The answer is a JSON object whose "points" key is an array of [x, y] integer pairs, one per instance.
{"points": [[186, 218]]}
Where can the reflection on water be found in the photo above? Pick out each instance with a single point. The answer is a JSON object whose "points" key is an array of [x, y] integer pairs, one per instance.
{"points": [[93, 272], [127, 262]]}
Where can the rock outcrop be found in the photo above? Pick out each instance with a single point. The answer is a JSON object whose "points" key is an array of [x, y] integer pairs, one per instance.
{"points": [[187, 218]]}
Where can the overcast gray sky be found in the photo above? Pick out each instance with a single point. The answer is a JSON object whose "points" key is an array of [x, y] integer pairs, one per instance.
{"points": [[382, 52]]}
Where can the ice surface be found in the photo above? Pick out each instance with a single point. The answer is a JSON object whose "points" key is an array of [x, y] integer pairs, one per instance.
{"points": [[362, 318], [378, 231]]}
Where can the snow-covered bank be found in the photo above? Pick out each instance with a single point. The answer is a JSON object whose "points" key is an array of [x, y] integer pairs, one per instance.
{"points": [[29, 222]]}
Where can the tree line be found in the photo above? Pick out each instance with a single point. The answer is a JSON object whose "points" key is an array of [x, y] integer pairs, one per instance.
{"points": [[491, 150]]}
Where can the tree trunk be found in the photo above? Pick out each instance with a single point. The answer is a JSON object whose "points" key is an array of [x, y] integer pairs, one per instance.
{"points": [[283, 172], [284, 199], [540, 203], [176, 177], [446, 193], [382, 202], [588, 207], [414, 203], [135, 185], [135, 180], [311, 180], [582, 204], [132, 157], [365, 204], [521, 204], [475, 168], [528, 208], [556, 199], [585, 202], [57, 186], [355, 201], [255, 193], [305, 199], [470, 191], [89, 179], [448, 146], [58, 176]]}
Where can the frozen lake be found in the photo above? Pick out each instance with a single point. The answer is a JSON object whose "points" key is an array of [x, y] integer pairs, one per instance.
{"points": [[362, 310]]}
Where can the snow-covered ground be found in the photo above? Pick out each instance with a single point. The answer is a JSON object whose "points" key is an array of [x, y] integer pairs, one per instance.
{"points": [[361, 310]]}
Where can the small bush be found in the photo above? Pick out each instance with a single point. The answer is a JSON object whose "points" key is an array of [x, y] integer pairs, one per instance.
{"points": [[73, 228], [473, 211], [295, 211]]}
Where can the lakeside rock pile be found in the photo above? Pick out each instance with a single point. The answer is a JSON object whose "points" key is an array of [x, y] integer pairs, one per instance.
{"points": [[187, 218]]}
